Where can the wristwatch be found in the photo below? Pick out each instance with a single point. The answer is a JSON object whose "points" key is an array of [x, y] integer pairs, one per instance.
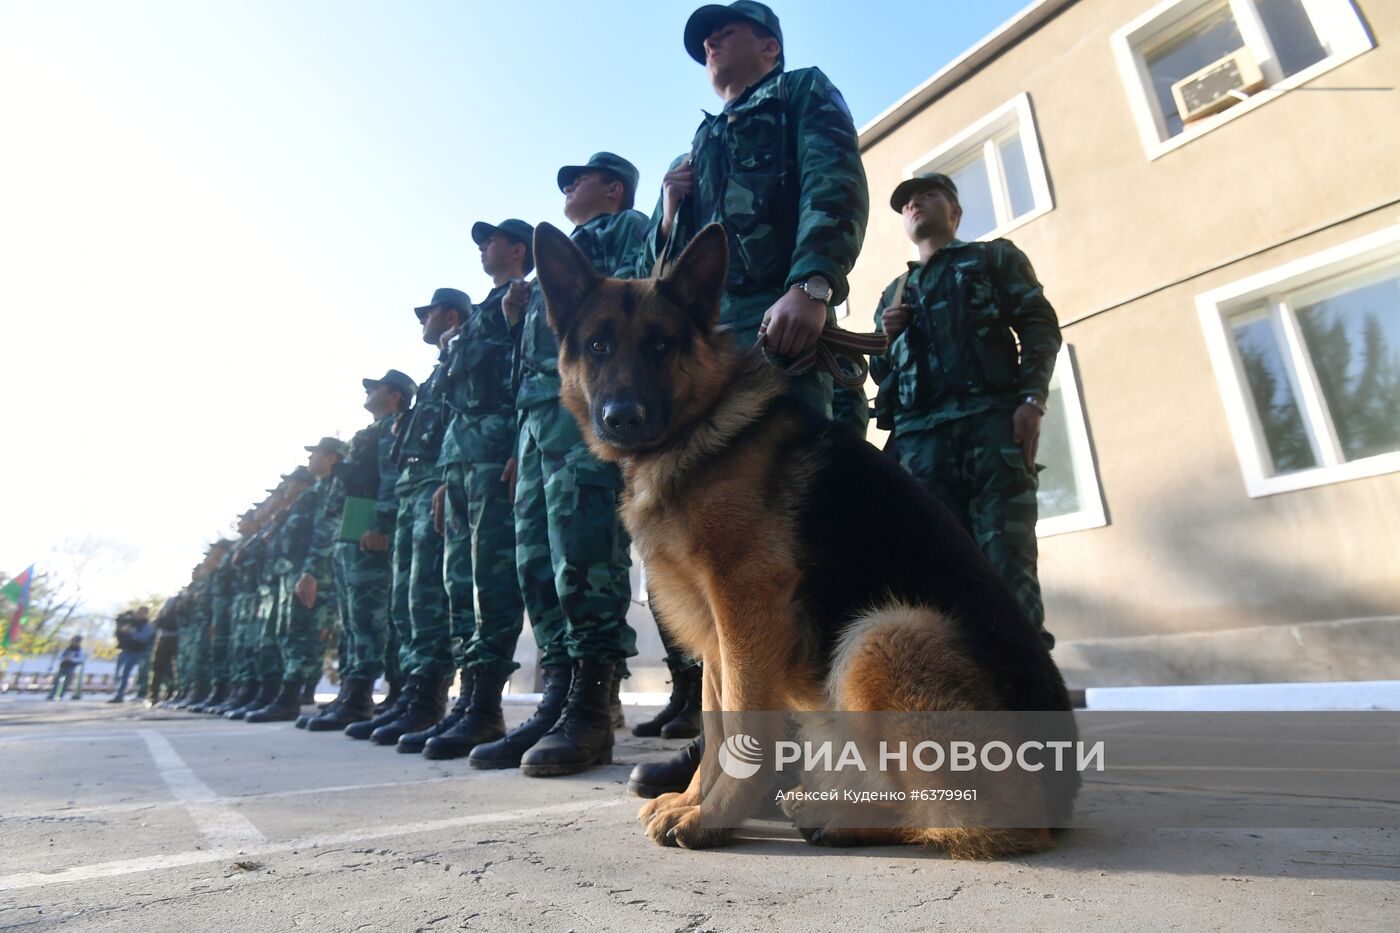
{"points": [[1034, 402], [816, 288]]}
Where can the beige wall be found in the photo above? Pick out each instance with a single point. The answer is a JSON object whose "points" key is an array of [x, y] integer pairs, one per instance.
{"points": [[1186, 549]]}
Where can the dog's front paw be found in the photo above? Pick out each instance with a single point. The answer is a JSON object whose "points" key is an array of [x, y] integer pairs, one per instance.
{"points": [[680, 826], [665, 802]]}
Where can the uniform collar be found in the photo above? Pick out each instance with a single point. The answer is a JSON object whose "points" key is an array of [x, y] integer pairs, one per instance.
{"points": [[952, 244], [751, 90]]}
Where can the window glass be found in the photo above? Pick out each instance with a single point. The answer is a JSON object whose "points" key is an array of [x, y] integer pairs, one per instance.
{"points": [[1353, 339], [1291, 34], [1018, 176], [1059, 492], [1214, 37], [975, 196], [1274, 401]]}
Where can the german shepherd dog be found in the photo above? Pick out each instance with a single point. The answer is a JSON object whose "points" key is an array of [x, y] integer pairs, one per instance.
{"points": [[806, 569]]}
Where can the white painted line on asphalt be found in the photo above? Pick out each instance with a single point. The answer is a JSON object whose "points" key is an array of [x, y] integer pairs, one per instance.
{"points": [[123, 867], [217, 822]]}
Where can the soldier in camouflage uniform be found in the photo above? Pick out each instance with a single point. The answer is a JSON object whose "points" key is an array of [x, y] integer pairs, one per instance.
{"points": [[473, 511], [262, 659], [779, 168], [571, 550], [964, 404], [303, 609], [242, 665], [363, 567], [418, 577], [195, 666], [223, 585]]}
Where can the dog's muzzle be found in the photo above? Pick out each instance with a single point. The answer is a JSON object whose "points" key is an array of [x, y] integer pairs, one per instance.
{"points": [[624, 423]]}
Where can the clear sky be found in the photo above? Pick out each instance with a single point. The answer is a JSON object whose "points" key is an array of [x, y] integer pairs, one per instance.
{"points": [[216, 217]]}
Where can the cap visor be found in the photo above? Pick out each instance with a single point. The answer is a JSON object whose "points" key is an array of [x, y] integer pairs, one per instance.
{"points": [[423, 312], [703, 22], [481, 232], [568, 173], [369, 384]]}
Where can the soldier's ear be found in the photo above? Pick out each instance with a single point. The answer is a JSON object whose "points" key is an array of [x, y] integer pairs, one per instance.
{"points": [[696, 280], [565, 275]]}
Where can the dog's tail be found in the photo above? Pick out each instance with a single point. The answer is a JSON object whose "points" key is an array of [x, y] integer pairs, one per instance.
{"points": [[904, 659]]}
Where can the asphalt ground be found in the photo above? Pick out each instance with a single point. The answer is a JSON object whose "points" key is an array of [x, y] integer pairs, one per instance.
{"points": [[115, 818]]}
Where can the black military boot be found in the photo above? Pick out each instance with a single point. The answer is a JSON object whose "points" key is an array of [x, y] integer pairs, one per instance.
{"points": [[250, 700], [285, 707], [411, 743], [482, 722], [362, 730], [267, 692], [654, 778], [186, 697], [506, 752], [305, 718], [308, 693], [238, 696], [216, 697], [615, 713], [583, 736], [355, 704], [390, 698], [652, 727], [429, 704], [686, 724]]}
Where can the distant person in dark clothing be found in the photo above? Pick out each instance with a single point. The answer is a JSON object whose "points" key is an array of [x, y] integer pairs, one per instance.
{"points": [[163, 657], [68, 662], [134, 636]]}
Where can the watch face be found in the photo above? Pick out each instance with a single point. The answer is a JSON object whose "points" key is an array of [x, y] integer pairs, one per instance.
{"points": [[818, 289]]}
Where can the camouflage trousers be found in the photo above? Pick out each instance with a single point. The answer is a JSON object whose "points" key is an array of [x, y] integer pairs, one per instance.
{"points": [[571, 550], [974, 468], [367, 576], [220, 632], [267, 650], [187, 666], [239, 648], [426, 648], [302, 635], [483, 588]]}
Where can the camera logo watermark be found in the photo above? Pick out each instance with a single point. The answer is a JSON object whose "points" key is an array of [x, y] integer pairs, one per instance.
{"points": [[741, 756]]}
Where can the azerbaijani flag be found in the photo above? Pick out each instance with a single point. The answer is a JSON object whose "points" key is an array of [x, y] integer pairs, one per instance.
{"points": [[17, 591]]}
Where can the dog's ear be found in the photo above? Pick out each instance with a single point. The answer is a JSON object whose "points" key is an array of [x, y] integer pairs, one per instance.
{"points": [[696, 280], [565, 274]]}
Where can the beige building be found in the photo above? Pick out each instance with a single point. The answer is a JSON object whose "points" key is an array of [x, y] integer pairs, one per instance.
{"points": [[1210, 192]]}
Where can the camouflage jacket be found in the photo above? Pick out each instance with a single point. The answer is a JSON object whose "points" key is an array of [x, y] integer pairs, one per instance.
{"points": [[612, 242], [479, 394], [225, 584], [780, 168], [293, 539], [971, 303], [418, 438], [368, 472], [325, 528]]}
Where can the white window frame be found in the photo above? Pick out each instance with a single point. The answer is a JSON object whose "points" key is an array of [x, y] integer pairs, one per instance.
{"points": [[1218, 306], [982, 137], [1339, 27], [1086, 474]]}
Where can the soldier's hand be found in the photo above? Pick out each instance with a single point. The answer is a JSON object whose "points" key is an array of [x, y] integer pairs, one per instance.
{"points": [[794, 322], [306, 590], [513, 301], [439, 506], [447, 336], [894, 320], [508, 477], [374, 541], [675, 185], [1025, 431]]}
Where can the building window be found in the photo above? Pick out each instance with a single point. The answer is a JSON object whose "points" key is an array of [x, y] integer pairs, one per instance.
{"points": [[1069, 497], [1308, 357], [997, 166], [1191, 65]]}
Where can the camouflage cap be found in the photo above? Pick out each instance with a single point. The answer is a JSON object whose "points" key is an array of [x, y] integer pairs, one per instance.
{"points": [[708, 18], [401, 381], [603, 161], [452, 297], [300, 475], [927, 180], [517, 230], [332, 445]]}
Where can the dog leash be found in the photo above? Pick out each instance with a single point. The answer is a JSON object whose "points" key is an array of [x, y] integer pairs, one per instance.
{"points": [[831, 348]]}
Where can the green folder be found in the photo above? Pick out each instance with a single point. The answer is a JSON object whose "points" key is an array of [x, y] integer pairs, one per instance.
{"points": [[357, 517]]}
